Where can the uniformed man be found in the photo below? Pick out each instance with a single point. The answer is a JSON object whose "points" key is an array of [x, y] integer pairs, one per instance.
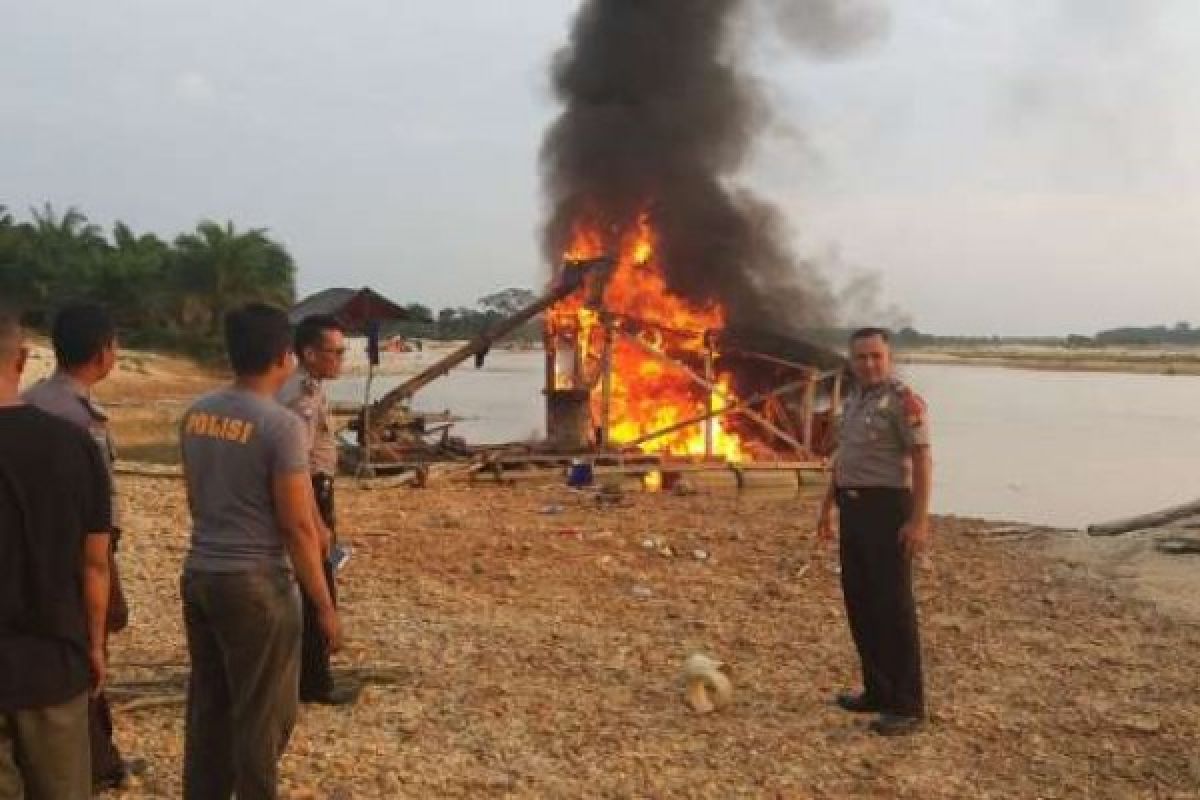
{"points": [[320, 346], [882, 475], [85, 351]]}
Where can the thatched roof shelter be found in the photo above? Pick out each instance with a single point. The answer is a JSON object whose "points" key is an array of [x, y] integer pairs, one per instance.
{"points": [[353, 308]]}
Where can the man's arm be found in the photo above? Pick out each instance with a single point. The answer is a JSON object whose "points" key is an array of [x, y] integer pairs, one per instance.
{"points": [[95, 596], [825, 516], [296, 506], [915, 533]]}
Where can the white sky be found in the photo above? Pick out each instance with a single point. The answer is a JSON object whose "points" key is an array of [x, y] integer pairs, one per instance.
{"points": [[1005, 167]]}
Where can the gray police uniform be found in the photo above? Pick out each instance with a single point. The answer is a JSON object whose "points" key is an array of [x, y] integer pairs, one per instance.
{"points": [[67, 398], [880, 428], [305, 396]]}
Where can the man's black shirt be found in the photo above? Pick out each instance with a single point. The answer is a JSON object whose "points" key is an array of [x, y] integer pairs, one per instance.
{"points": [[53, 492]]}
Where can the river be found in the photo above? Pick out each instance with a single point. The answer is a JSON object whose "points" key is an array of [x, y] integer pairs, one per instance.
{"points": [[1057, 448]]}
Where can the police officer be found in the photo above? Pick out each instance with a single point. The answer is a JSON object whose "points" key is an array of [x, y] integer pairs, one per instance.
{"points": [[882, 475], [85, 352], [320, 347]]}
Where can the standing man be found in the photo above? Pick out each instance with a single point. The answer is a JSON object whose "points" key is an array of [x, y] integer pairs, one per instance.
{"points": [[54, 556], [246, 470], [320, 347], [882, 475], [85, 352]]}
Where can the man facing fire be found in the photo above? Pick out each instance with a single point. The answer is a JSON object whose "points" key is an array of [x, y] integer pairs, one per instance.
{"points": [[882, 475]]}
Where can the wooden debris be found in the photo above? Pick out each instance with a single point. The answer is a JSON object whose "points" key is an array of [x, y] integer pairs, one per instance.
{"points": [[1143, 521]]}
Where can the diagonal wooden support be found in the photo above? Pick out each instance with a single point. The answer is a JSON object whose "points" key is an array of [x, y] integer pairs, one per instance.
{"points": [[737, 408], [716, 390]]}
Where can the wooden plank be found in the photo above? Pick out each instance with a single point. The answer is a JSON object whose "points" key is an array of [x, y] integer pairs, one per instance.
{"points": [[1143, 521]]}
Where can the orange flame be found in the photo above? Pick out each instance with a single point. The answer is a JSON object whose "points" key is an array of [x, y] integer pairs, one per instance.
{"points": [[648, 393]]}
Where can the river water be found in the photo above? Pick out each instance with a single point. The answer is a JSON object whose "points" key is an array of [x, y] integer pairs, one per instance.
{"points": [[1058, 448]]}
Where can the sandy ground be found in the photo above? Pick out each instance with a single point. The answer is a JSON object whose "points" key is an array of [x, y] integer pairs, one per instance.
{"points": [[512, 652], [515, 649]]}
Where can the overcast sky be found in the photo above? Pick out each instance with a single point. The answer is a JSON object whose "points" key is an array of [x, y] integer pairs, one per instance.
{"points": [[1004, 167]]}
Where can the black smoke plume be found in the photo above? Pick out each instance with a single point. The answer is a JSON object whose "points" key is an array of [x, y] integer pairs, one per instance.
{"points": [[658, 118]]}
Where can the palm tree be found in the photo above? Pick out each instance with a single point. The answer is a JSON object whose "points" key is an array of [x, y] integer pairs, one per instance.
{"points": [[59, 257], [219, 268], [132, 282]]}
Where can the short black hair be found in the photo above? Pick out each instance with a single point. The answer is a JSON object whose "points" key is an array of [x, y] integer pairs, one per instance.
{"points": [[81, 331], [256, 336], [868, 333], [311, 330]]}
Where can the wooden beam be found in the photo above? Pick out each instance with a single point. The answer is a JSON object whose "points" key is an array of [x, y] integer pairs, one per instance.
{"points": [[737, 408], [691, 375]]}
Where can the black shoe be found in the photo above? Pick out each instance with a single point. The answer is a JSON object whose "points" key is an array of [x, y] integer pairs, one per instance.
{"points": [[896, 724], [856, 703], [344, 695]]}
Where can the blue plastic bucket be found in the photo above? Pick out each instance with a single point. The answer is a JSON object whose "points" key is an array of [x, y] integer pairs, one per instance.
{"points": [[580, 474]]}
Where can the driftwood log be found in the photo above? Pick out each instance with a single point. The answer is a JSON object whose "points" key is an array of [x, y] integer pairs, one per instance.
{"points": [[1143, 521]]}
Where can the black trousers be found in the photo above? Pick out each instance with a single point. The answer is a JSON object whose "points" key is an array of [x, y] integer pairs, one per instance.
{"points": [[107, 763], [877, 585], [316, 677]]}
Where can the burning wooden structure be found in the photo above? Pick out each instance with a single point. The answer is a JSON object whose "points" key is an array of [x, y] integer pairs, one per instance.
{"points": [[632, 367], [637, 378]]}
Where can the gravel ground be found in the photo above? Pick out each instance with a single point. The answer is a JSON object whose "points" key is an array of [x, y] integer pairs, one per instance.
{"points": [[526, 643]]}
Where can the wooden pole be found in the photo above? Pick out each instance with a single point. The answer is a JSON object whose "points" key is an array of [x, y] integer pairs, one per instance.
{"points": [[810, 405], [710, 376], [750, 413], [550, 348], [606, 365], [366, 431], [1144, 521]]}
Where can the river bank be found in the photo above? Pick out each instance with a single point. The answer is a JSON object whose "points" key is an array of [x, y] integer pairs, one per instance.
{"points": [[1141, 361], [522, 642]]}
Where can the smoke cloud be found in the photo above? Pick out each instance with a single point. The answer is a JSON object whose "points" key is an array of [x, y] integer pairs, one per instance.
{"points": [[829, 28], [659, 115]]}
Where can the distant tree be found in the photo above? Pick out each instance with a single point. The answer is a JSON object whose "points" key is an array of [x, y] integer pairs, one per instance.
{"points": [[507, 302], [419, 313], [219, 268]]}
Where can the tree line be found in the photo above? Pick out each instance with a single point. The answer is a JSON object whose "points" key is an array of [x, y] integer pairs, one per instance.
{"points": [[465, 323], [1181, 334], [170, 294]]}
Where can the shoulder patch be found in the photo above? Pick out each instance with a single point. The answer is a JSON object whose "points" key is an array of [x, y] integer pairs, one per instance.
{"points": [[915, 410]]}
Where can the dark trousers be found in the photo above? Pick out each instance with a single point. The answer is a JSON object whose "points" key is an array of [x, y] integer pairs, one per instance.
{"points": [[877, 584], [106, 759], [316, 677], [44, 753], [243, 638], [107, 764]]}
